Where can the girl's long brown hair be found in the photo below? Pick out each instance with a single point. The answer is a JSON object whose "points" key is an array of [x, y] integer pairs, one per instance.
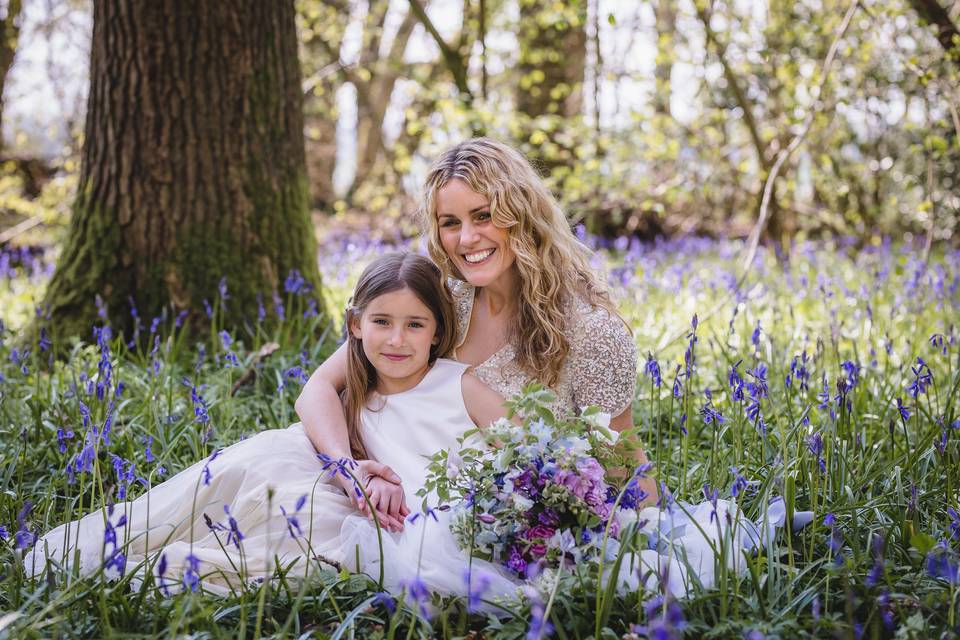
{"points": [[387, 274]]}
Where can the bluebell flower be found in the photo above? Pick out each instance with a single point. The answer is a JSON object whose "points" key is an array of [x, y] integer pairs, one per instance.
{"points": [[62, 437], [101, 307], [4, 534], [278, 307], [191, 575], [293, 524], [224, 294], [665, 620], [922, 378], [294, 282], [417, 590], [261, 311], [852, 370], [755, 337], [234, 535], [954, 523], [161, 571], [478, 583], [735, 382], [903, 410], [24, 538], [937, 342], [740, 484], [710, 414], [178, 321], [835, 539], [311, 311], [44, 343], [941, 564], [207, 309], [758, 387], [385, 600], [147, 450], [815, 445], [652, 369], [155, 324], [205, 472]]}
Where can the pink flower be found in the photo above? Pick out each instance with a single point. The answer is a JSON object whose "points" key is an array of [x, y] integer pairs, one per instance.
{"points": [[540, 531]]}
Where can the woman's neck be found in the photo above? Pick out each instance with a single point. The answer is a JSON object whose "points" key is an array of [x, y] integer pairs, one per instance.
{"points": [[501, 295]]}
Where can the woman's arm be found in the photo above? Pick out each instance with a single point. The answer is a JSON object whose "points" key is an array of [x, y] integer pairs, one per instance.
{"points": [[623, 422], [321, 413]]}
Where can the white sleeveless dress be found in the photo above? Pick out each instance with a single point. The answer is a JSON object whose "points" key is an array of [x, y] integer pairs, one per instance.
{"points": [[403, 430]]}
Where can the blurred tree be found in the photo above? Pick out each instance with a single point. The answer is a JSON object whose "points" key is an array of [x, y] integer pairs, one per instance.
{"points": [[192, 166], [549, 92], [666, 18], [9, 37], [933, 13]]}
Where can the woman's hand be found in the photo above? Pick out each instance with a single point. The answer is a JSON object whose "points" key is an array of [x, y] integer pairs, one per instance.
{"points": [[387, 499]]}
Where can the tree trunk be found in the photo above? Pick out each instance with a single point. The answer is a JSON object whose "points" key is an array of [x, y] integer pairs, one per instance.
{"points": [[9, 35], [193, 163], [666, 15], [933, 13], [553, 59]]}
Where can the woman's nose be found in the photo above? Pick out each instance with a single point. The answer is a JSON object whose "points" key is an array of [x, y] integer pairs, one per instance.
{"points": [[468, 233]]}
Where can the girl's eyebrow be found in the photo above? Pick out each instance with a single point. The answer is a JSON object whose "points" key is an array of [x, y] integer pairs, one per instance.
{"points": [[388, 315]]}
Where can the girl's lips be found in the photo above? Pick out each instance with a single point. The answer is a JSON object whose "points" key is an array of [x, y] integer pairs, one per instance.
{"points": [[395, 357]]}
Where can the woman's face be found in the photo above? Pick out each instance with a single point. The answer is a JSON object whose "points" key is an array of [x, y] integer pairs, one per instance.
{"points": [[479, 249]]}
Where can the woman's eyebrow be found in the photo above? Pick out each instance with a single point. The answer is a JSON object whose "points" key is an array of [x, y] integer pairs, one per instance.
{"points": [[471, 212]]}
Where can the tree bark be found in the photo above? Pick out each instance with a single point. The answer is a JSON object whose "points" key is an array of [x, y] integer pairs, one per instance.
{"points": [[9, 36], [933, 13], [192, 166], [666, 16]]}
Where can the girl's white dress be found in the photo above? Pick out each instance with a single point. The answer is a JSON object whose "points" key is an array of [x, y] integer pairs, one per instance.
{"points": [[261, 480]]}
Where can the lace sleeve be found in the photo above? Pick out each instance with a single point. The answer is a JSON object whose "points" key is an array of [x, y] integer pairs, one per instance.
{"points": [[604, 361]]}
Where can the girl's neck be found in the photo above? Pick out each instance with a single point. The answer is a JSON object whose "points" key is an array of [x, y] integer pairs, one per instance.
{"points": [[392, 386]]}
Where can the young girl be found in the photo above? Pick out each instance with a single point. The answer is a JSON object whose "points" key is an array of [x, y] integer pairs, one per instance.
{"points": [[269, 501]]}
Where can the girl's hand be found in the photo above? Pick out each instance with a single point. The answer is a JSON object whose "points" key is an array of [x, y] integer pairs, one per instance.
{"points": [[388, 503]]}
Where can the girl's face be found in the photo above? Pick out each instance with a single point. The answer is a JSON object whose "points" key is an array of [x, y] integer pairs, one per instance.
{"points": [[396, 330], [477, 248]]}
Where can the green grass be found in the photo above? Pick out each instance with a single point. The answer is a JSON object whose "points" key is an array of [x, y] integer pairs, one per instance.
{"points": [[888, 481]]}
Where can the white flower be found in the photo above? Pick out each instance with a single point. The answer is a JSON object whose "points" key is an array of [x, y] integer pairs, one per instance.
{"points": [[522, 503], [574, 445], [600, 423], [454, 462]]}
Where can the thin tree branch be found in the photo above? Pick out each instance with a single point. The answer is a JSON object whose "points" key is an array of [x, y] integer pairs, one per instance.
{"points": [[454, 61]]}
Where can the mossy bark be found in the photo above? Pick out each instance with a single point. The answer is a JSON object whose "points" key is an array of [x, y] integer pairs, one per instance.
{"points": [[193, 163]]}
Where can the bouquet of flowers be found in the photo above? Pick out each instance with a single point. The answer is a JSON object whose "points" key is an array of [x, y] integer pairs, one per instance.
{"points": [[535, 495]]}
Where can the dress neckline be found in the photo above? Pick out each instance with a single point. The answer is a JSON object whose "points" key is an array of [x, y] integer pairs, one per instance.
{"points": [[470, 297]]}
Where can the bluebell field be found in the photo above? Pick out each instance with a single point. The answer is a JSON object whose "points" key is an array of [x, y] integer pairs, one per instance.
{"points": [[827, 377]]}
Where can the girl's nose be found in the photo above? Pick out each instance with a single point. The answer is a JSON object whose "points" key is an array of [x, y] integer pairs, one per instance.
{"points": [[396, 337]]}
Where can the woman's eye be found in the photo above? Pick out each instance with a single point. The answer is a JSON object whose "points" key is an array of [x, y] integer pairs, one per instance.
{"points": [[485, 215], [449, 222]]}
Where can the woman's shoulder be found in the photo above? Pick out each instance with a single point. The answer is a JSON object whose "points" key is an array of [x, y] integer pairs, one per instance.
{"points": [[603, 357]]}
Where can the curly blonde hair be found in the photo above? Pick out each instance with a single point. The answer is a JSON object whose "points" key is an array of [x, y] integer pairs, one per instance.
{"points": [[554, 267]]}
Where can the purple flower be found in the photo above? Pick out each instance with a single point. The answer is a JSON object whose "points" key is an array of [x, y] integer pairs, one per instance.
{"points": [[62, 437], [295, 283], [954, 523], [815, 445], [417, 591], [161, 570], [665, 619], [710, 414], [755, 337], [293, 524], [652, 369], [24, 538], [740, 483], [4, 534], [233, 534], [941, 564], [205, 472], [903, 409], [478, 583], [736, 382], [191, 575], [515, 561], [922, 378], [385, 600]]}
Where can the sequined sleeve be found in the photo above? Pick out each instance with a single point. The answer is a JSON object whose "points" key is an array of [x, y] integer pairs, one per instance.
{"points": [[603, 361], [462, 294]]}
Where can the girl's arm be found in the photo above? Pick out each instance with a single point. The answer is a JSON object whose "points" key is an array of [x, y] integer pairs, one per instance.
{"points": [[323, 421]]}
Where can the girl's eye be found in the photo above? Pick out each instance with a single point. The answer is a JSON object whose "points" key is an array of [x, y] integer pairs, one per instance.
{"points": [[416, 325], [382, 321]]}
